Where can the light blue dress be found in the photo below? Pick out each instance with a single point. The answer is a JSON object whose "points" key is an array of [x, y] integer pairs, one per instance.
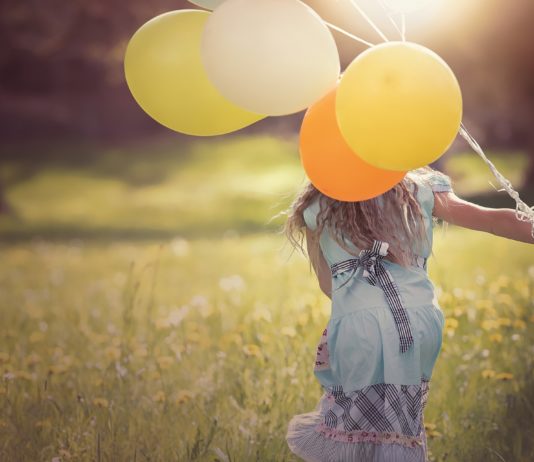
{"points": [[374, 395]]}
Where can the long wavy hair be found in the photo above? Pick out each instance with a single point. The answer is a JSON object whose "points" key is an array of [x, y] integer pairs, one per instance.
{"points": [[394, 217]]}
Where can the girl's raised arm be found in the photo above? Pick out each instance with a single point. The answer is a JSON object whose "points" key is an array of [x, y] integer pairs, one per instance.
{"points": [[501, 222]]}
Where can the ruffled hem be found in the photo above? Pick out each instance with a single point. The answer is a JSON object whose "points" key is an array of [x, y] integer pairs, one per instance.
{"points": [[305, 440], [360, 436]]}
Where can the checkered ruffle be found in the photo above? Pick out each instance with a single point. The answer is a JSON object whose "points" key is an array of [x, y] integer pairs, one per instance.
{"points": [[380, 412], [380, 422]]}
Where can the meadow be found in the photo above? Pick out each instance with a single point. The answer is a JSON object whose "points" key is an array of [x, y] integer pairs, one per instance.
{"points": [[150, 310]]}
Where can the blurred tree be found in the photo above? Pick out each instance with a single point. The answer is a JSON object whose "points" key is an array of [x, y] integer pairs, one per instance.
{"points": [[510, 40], [61, 69], [493, 56]]}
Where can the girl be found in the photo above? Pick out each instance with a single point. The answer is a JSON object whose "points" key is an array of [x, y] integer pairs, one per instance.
{"points": [[377, 353]]}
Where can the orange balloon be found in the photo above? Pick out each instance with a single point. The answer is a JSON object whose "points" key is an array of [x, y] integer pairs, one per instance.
{"points": [[332, 167]]}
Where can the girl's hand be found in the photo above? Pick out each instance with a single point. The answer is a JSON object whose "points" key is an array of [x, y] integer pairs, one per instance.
{"points": [[501, 222]]}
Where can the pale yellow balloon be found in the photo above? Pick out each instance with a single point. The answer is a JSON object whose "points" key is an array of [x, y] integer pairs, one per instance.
{"points": [[274, 57], [165, 74], [399, 106]]}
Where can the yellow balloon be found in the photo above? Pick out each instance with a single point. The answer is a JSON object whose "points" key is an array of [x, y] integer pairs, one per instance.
{"points": [[399, 106], [166, 76]]}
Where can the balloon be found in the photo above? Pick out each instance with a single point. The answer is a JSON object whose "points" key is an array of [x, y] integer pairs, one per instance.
{"points": [[399, 106], [331, 165], [165, 75], [272, 57], [208, 4]]}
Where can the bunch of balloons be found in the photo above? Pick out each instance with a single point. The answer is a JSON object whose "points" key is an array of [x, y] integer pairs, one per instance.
{"points": [[397, 107]]}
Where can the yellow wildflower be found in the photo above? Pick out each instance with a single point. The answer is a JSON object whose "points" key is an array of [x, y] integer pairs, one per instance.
{"points": [[24, 375], [229, 338], [496, 337], [183, 396], [32, 359], [65, 454], [43, 423], [159, 397], [140, 352], [113, 353], [484, 304], [252, 350], [520, 324], [504, 322], [289, 331], [487, 373], [450, 326], [36, 337], [101, 402], [490, 324], [303, 319], [263, 338], [458, 311], [505, 299], [504, 376], [262, 314], [58, 369], [430, 426], [165, 362]]}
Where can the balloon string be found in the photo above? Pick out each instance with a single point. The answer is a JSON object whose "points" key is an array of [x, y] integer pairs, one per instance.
{"points": [[348, 34], [522, 211], [368, 19], [402, 29]]}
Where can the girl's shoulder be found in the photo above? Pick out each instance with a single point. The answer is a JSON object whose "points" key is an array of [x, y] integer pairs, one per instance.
{"points": [[435, 180]]}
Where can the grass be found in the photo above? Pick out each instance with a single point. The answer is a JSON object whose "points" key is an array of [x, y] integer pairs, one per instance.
{"points": [[182, 350], [149, 311]]}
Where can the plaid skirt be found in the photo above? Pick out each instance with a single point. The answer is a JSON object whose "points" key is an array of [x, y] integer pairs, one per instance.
{"points": [[379, 423]]}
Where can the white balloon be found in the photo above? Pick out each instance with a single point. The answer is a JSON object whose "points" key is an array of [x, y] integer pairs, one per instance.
{"points": [[272, 57], [208, 4]]}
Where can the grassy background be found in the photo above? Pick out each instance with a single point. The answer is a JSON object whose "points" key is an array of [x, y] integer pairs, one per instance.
{"points": [[150, 311], [203, 188]]}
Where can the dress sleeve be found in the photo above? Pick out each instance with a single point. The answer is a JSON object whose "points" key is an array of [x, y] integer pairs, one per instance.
{"points": [[310, 215], [440, 182], [310, 218]]}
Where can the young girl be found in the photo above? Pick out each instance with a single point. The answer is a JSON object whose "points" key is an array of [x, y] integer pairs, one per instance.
{"points": [[376, 356]]}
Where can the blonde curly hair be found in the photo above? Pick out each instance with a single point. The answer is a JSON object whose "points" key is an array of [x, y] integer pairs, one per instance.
{"points": [[395, 217]]}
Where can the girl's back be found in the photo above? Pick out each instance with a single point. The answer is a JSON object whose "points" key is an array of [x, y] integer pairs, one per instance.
{"points": [[376, 355]]}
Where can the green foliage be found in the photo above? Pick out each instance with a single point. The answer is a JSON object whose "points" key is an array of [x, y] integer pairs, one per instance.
{"points": [[200, 189]]}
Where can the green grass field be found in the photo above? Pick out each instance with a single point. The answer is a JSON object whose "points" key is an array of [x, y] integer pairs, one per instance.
{"points": [[149, 311]]}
